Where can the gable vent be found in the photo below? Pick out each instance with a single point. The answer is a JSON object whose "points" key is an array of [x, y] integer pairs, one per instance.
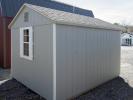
{"points": [[26, 17]]}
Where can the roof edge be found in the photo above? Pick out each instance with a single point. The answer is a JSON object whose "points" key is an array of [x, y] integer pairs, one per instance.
{"points": [[89, 26], [64, 23]]}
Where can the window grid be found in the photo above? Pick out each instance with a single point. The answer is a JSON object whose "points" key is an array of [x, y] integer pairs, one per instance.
{"points": [[26, 43]]}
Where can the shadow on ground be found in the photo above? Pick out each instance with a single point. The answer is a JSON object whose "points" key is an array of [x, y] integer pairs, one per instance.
{"points": [[116, 89]]}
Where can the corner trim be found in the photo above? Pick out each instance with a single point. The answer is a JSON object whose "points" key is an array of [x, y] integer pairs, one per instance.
{"points": [[54, 61]]}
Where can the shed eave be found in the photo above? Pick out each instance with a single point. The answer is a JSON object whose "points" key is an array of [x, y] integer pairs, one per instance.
{"points": [[87, 26], [58, 21]]}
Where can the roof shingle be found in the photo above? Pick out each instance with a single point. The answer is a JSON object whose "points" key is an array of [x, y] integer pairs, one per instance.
{"points": [[67, 18]]}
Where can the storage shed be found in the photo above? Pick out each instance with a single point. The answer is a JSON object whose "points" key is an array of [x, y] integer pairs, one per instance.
{"points": [[127, 39], [60, 55]]}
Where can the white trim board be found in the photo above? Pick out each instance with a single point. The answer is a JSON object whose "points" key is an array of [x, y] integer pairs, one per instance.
{"points": [[54, 61]]}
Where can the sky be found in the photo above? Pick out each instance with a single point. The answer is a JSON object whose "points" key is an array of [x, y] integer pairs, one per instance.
{"points": [[113, 11]]}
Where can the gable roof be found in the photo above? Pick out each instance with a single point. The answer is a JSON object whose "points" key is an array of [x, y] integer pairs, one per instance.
{"points": [[10, 7], [62, 17]]}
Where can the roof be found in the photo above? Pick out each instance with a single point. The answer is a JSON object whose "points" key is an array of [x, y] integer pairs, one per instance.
{"points": [[126, 35], [67, 18], [10, 7]]}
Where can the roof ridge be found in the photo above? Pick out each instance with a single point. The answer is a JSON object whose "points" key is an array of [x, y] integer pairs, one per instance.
{"points": [[62, 17], [30, 5]]}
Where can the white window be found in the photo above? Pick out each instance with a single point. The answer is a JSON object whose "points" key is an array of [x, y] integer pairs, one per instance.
{"points": [[26, 43]]}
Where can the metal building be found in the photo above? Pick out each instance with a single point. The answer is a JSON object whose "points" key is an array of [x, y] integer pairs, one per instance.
{"points": [[9, 8], [60, 55]]}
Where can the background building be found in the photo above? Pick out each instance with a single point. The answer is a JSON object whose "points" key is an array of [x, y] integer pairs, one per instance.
{"points": [[127, 39]]}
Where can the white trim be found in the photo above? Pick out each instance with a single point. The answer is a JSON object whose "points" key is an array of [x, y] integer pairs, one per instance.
{"points": [[54, 61], [30, 57]]}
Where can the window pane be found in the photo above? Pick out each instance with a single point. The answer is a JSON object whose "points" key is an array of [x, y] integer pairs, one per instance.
{"points": [[26, 32], [26, 49], [26, 38]]}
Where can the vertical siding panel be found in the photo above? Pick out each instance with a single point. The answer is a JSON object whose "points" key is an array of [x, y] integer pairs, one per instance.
{"points": [[83, 59], [107, 56], [61, 72], [66, 68], [69, 69], [99, 46], [97, 57], [89, 67], [104, 53], [88, 57]]}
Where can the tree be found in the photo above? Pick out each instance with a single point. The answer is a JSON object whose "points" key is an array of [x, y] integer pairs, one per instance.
{"points": [[116, 24]]}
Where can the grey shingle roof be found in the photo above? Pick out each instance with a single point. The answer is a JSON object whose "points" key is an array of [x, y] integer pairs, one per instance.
{"points": [[67, 18]]}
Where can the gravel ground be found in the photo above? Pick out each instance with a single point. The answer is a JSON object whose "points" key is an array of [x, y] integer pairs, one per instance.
{"points": [[116, 89], [13, 90], [119, 88]]}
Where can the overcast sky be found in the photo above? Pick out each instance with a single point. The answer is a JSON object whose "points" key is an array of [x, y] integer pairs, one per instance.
{"points": [[120, 11]]}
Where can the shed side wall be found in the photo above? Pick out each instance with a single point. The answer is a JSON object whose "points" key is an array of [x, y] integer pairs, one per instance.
{"points": [[36, 74], [86, 58]]}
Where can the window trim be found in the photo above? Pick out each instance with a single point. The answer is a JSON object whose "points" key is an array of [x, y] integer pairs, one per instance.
{"points": [[30, 57]]}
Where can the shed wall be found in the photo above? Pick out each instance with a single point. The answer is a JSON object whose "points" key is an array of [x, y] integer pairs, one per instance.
{"points": [[86, 58], [36, 74]]}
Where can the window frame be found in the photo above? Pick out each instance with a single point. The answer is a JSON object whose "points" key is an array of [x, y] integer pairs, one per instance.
{"points": [[30, 57]]}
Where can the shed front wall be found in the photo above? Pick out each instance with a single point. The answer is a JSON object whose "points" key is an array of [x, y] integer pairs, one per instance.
{"points": [[38, 73], [85, 58]]}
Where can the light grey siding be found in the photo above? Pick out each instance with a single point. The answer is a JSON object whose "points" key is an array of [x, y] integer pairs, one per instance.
{"points": [[36, 74], [85, 57]]}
